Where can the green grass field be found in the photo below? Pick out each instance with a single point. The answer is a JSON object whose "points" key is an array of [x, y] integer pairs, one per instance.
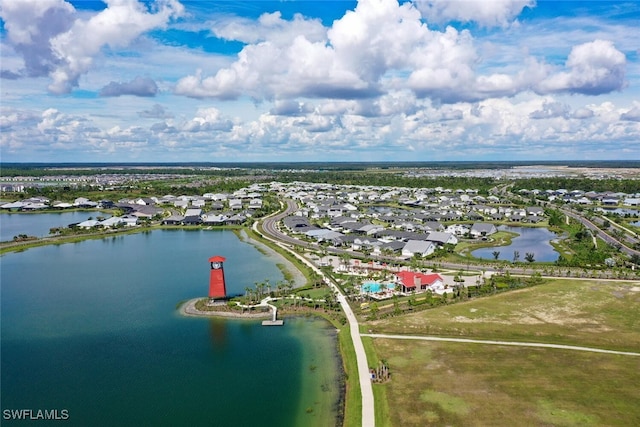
{"points": [[463, 384], [602, 314]]}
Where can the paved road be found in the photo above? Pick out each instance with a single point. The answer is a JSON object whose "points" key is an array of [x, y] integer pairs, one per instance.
{"points": [[271, 232], [509, 343], [270, 228], [598, 232]]}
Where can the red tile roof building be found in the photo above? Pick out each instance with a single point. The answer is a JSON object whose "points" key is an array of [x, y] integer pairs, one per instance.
{"points": [[419, 282]]}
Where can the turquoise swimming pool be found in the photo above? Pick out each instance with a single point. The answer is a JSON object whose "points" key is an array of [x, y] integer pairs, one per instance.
{"points": [[374, 287]]}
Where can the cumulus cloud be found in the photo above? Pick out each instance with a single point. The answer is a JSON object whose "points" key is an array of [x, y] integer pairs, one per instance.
{"points": [[290, 107], [359, 55], [30, 25], [550, 110], [383, 46], [269, 26], [487, 13], [208, 119], [156, 112], [631, 115], [140, 86], [593, 68], [56, 41], [583, 113], [451, 115], [116, 26]]}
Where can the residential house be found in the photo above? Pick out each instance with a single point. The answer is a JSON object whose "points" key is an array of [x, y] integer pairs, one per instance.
{"points": [[482, 229], [235, 204], [192, 216], [418, 247], [441, 238]]}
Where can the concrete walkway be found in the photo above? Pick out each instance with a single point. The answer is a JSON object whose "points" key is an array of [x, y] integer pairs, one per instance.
{"points": [[510, 343], [366, 389]]}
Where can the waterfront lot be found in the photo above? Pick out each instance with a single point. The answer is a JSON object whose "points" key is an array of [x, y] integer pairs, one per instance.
{"points": [[476, 384]]}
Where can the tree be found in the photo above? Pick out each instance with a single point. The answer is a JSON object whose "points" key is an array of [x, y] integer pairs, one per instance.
{"points": [[496, 255], [374, 309], [529, 257], [396, 305], [516, 256], [555, 217], [345, 258]]}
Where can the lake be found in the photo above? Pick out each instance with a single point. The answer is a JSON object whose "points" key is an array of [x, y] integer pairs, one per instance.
{"points": [[92, 327], [530, 239], [39, 224]]}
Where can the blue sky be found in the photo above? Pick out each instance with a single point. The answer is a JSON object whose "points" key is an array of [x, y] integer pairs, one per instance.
{"points": [[369, 80]]}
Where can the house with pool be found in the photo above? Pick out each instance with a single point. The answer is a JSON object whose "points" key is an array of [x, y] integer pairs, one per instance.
{"points": [[412, 282], [406, 283]]}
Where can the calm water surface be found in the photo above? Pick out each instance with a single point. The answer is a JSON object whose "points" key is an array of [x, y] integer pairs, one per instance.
{"points": [[530, 239], [39, 224], [92, 328]]}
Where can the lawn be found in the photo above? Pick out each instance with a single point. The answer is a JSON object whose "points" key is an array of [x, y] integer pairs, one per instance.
{"points": [[481, 385], [604, 314], [464, 384]]}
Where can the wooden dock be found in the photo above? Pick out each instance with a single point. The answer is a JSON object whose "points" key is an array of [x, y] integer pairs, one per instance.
{"points": [[272, 322]]}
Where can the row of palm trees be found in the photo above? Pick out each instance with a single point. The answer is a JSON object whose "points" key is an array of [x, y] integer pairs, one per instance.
{"points": [[264, 289]]}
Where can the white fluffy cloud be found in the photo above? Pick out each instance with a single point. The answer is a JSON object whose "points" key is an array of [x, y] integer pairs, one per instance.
{"points": [[487, 13], [593, 68], [382, 46], [361, 53], [333, 128], [116, 26], [54, 40], [269, 26], [30, 26], [379, 80], [208, 119]]}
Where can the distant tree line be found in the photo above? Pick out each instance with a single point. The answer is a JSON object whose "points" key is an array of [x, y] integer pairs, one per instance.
{"points": [[388, 179], [628, 186]]}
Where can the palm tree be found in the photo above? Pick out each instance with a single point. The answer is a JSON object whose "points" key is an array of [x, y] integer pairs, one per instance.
{"points": [[496, 255], [268, 286], [345, 260], [279, 288]]}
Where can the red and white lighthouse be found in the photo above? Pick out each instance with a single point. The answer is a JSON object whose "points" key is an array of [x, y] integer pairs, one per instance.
{"points": [[217, 287]]}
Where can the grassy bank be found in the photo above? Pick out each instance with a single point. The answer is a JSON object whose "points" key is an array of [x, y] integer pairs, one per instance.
{"points": [[7, 247]]}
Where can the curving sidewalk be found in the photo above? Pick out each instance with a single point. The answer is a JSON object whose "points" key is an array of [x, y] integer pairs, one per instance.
{"points": [[366, 389]]}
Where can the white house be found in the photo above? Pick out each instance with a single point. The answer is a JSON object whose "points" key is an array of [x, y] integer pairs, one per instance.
{"points": [[481, 229], [419, 247]]}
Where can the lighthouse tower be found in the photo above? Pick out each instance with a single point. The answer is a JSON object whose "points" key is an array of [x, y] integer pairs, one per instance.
{"points": [[217, 287]]}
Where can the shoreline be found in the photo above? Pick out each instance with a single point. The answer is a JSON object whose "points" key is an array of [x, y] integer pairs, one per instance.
{"points": [[297, 276], [188, 309], [312, 405]]}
